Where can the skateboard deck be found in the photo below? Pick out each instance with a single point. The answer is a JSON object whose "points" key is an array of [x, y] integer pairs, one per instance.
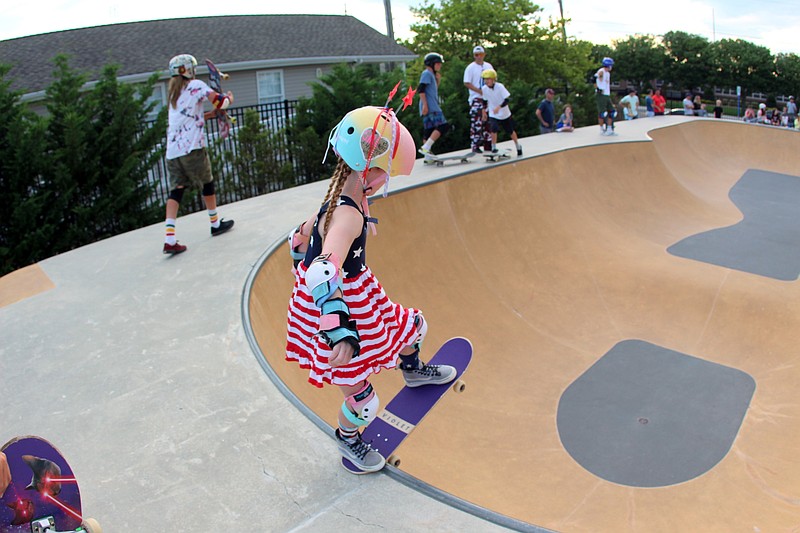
{"points": [[406, 410], [439, 161], [502, 154], [215, 78], [43, 494]]}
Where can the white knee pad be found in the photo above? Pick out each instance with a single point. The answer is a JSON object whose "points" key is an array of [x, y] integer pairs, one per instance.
{"points": [[422, 328], [362, 407]]}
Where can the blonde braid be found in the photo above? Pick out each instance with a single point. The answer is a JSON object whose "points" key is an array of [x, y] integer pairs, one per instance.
{"points": [[335, 190]]}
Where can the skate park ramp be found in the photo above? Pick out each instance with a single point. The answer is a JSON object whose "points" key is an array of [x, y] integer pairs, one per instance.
{"points": [[635, 317]]}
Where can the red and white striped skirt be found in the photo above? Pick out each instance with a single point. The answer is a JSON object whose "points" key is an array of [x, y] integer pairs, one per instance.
{"points": [[385, 328]]}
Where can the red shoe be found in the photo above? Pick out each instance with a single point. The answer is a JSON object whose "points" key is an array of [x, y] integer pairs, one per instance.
{"points": [[173, 249]]}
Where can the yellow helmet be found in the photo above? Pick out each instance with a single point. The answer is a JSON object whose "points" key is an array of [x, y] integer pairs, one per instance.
{"points": [[489, 73]]}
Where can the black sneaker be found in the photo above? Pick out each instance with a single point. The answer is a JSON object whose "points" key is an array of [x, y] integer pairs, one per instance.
{"points": [[224, 225], [519, 151], [477, 151]]}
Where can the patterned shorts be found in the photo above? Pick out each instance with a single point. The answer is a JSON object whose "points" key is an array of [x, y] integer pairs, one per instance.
{"points": [[193, 168], [433, 120]]}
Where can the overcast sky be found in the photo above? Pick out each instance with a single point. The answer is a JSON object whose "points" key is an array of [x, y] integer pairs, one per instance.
{"points": [[770, 23]]}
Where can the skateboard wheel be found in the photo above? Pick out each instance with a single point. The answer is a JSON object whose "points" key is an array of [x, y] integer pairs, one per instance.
{"points": [[459, 385], [393, 460], [92, 526]]}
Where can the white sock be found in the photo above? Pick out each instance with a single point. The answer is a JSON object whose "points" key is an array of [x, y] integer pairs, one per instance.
{"points": [[428, 145], [169, 238]]}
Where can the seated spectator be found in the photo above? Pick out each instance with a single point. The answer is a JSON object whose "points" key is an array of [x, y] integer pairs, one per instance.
{"points": [[776, 117], [630, 105], [565, 121], [750, 115], [761, 116]]}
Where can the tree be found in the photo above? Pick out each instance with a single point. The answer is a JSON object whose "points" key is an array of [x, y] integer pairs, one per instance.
{"points": [[454, 27], [78, 174], [688, 61], [528, 54], [640, 60], [787, 74], [23, 209], [345, 88], [738, 62], [257, 161]]}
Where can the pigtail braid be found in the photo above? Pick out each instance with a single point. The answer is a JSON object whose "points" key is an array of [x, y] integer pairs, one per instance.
{"points": [[335, 190]]}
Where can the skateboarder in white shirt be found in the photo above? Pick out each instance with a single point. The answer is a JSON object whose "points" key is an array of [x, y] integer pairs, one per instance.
{"points": [[495, 97]]}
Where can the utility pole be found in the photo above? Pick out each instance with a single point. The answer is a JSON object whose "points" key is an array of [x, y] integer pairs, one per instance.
{"points": [[387, 5], [563, 24]]}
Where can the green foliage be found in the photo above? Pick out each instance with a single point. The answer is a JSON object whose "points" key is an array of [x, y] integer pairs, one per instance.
{"points": [[640, 60], [738, 62], [454, 27], [688, 60], [345, 88], [79, 174], [257, 162]]}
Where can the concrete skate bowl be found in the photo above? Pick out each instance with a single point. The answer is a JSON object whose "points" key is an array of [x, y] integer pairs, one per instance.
{"points": [[622, 380]]}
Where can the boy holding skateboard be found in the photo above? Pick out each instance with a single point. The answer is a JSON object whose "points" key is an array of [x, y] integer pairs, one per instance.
{"points": [[495, 98], [434, 124], [187, 160], [342, 326]]}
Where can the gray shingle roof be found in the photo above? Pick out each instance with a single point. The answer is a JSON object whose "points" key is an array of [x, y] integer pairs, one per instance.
{"points": [[144, 47]]}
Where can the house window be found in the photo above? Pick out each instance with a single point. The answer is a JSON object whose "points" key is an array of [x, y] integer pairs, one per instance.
{"points": [[270, 86], [159, 96]]}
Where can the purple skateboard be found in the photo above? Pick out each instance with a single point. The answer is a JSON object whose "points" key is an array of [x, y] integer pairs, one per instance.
{"points": [[215, 78], [43, 494], [405, 411]]}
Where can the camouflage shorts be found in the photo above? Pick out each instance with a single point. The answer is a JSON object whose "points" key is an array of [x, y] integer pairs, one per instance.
{"points": [[193, 168]]}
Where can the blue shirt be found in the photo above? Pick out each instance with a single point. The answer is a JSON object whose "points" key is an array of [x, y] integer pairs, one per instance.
{"points": [[431, 91], [548, 112]]}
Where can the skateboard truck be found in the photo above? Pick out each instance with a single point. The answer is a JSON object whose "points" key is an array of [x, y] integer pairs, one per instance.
{"points": [[48, 525]]}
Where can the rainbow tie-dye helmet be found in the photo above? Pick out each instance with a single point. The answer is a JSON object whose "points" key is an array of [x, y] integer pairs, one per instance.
{"points": [[374, 134]]}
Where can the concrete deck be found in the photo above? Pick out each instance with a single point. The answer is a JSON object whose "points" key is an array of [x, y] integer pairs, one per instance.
{"points": [[138, 366]]}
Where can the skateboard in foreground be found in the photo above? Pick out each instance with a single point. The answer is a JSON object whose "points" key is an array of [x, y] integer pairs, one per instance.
{"points": [[492, 157], [407, 409], [439, 161], [215, 77], [43, 495]]}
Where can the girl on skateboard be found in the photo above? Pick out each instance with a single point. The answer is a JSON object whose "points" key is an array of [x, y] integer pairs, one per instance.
{"points": [[342, 326]]}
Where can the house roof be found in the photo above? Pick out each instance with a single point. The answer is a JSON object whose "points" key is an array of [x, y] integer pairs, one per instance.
{"points": [[235, 42]]}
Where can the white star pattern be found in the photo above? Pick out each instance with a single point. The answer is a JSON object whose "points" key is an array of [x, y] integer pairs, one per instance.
{"points": [[357, 253]]}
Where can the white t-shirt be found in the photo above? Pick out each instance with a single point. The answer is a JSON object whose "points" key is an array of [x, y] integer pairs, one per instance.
{"points": [[185, 131], [472, 74], [495, 96], [631, 104], [604, 81]]}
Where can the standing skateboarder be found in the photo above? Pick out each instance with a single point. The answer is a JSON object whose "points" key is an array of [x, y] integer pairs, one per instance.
{"points": [[187, 159], [342, 327]]}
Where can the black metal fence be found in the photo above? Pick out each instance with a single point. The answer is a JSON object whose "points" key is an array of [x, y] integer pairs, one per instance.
{"points": [[229, 162]]}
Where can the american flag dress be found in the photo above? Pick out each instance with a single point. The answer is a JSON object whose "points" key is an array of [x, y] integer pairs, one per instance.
{"points": [[384, 327]]}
